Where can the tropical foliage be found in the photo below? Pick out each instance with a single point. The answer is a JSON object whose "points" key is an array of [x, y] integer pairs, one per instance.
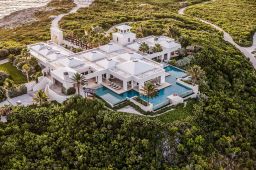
{"points": [[234, 16], [79, 134], [218, 132], [157, 48], [40, 97], [149, 90], [144, 48], [79, 80], [196, 73]]}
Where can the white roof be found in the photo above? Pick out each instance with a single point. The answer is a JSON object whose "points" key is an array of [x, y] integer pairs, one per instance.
{"points": [[51, 51], [135, 67], [71, 62], [93, 55], [110, 47], [59, 72], [135, 46], [107, 63], [164, 41], [131, 56], [123, 27], [170, 44]]}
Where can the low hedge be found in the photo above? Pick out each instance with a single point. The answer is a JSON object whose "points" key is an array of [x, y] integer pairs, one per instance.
{"points": [[2, 94], [17, 91], [141, 101], [129, 103], [71, 91], [3, 76]]}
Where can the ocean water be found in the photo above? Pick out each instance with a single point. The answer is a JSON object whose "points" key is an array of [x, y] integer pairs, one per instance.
{"points": [[9, 6]]}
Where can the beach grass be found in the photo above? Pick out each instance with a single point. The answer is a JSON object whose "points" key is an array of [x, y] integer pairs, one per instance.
{"points": [[237, 17], [181, 112], [15, 74]]}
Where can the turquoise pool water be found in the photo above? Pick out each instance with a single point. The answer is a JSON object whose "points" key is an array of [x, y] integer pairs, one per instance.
{"points": [[161, 100]]}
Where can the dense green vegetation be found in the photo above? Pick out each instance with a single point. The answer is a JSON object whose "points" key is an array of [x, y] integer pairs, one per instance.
{"points": [[78, 135], [223, 122], [180, 112], [218, 132], [237, 17], [104, 14], [15, 74]]}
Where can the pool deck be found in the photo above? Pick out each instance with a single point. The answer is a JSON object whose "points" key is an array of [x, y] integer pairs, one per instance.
{"points": [[115, 90], [119, 95]]}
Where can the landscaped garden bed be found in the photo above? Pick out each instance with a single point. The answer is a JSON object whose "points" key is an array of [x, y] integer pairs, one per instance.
{"points": [[15, 74], [141, 101]]}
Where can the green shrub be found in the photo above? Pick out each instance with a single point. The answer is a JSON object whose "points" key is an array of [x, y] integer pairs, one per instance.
{"points": [[2, 94], [3, 76], [71, 91], [4, 53], [141, 101], [17, 91]]}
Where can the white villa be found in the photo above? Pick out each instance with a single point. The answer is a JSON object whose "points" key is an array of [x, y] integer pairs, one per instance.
{"points": [[118, 65]]}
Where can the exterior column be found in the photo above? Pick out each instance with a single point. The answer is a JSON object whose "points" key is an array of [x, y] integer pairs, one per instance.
{"points": [[141, 85], [162, 79], [168, 56], [107, 76], [125, 85], [99, 79], [132, 84]]}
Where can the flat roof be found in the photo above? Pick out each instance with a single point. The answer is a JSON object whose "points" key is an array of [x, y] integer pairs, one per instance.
{"points": [[59, 72], [110, 47], [93, 55], [50, 51], [107, 63], [123, 27], [151, 41], [135, 67]]}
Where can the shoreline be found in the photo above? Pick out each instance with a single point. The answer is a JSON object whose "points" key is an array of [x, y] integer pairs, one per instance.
{"points": [[21, 17]]}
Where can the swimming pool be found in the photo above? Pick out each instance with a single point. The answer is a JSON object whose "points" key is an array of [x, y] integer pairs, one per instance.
{"points": [[113, 98]]}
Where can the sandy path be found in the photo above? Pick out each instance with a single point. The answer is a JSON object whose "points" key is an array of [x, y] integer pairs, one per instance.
{"points": [[79, 4], [247, 51]]}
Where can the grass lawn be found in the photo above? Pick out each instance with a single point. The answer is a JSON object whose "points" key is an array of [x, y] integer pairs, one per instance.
{"points": [[237, 17], [15, 74], [179, 113]]}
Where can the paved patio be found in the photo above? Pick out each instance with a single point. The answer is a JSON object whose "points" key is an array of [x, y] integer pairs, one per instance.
{"points": [[129, 109], [26, 99]]}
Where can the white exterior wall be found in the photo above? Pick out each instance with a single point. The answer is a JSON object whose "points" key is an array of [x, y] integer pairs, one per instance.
{"points": [[123, 38], [194, 88], [55, 96], [43, 81]]}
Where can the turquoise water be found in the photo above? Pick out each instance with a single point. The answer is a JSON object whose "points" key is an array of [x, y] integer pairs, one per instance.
{"points": [[161, 99]]}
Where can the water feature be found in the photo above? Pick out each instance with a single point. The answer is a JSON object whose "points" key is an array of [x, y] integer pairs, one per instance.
{"points": [[161, 100]]}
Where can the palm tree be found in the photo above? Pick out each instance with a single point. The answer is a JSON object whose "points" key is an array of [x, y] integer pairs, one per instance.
{"points": [[149, 90], [144, 47], [40, 97], [196, 73], [79, 79], [26, 68], [25, 54], [8, 84], [157, 48]]}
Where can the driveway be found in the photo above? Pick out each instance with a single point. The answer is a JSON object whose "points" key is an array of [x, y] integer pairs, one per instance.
{"points": [[26, 99]]}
